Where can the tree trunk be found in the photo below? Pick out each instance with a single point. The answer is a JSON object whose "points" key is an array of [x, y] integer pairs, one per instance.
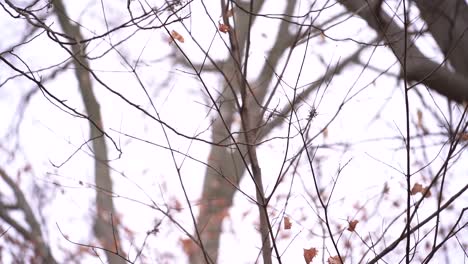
{"points": [[105, 230], [221, 184], [420, 69]]}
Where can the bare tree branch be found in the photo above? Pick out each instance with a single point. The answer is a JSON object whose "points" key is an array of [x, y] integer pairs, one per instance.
{"points": [[34, 234], [448, 23], [420, 69], [107, 235]]}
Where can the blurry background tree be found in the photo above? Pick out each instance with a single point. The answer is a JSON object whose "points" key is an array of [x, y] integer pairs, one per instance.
{"points": [[336, 129]]}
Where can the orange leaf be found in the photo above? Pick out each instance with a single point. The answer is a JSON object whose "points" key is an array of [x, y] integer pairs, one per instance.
{"points": [[175, 35], [224, 28], [287, 223], [418, 188], [310, 254], [188, 246], [463, 136], [352, 225], [325, 132]]}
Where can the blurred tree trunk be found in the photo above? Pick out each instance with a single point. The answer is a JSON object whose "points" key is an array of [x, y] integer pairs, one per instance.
{"points": [[447, 21], [447, 26], [31, 230], [227, 164], [105, 230]]}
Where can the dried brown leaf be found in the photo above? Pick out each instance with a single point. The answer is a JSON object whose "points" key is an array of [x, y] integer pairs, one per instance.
{"points": [[309, 254], [224, 28], [175, 35], [418, 188], [188, 246], [463, 136], [352, 225], [287, 223], [325, 133]]}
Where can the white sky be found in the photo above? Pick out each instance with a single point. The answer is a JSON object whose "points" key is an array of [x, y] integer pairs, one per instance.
{"points": [[49, 135]]}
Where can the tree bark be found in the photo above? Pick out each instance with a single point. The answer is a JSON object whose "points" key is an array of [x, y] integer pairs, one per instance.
{"points": [[420, 69], [33, 232], [105, 230], [447, 21], [221, 184]]}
